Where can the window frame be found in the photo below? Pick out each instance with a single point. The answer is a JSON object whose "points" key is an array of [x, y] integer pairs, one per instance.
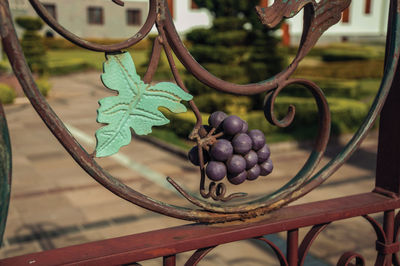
{"points": [[133, 22], [51, 6], [91, 16]]}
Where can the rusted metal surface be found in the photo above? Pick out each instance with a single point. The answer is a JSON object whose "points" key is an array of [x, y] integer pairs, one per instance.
{"points": [[175, 240], [298, 186], [198, 256], [5, 171], [309, 240], [279, 254], [318, 17]]}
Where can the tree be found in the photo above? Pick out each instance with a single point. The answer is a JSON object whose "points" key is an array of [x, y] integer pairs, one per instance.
{"points": [[237, 48], [32, 44]]}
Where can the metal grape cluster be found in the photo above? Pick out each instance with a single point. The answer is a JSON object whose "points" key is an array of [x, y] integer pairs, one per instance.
{"points": [[230, 150]]}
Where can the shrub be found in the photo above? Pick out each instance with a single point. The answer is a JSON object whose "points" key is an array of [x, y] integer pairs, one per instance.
{"points": [[228, 23], [7, 94], [349, 52], [371, 69], [198, 36], [215, 101], [229, 38], [32, 44], [182, 124], [44, 86], [29, 23], [67, 67], [60, 43], [347, 114], [5, 67], [339, 88], [216, 54]]}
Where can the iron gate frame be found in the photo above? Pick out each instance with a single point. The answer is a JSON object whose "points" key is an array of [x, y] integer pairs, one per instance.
{"points": [[214, 228]]}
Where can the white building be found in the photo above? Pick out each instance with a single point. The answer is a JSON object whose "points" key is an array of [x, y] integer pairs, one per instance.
{"points": [[104, 19], [364, 20]]}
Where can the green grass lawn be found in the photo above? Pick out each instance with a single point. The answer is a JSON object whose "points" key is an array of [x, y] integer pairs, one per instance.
{"points": [[67, 61], [93, 59]]}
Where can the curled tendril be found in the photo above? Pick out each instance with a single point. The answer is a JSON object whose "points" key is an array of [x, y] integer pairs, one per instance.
{"points": [[347, 258], [270, 107], [217, 192]]}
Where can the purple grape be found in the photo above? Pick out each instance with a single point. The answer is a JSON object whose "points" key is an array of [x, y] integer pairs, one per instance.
{"points": [[242, 143], [232, 125], [251, 159], [263, 154], [254, 172], [258, 139], [245, 127], [266, 167], [237, 179], [216, 171], [216, 118], [236, 164], [222, 150], [193, 156]]}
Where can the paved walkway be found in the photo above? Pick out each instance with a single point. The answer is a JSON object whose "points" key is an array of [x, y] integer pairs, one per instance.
{"points": [[55, 204]]}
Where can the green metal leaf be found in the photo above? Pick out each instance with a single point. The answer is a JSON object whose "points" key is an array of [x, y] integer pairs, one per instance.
{"points": [[136, 105]]}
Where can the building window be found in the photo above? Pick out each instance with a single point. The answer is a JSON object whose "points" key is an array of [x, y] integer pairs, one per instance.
{"points": [[346, 15], [51, 9], [134, 17], [194, 5], [368, 6], [95, 15]]}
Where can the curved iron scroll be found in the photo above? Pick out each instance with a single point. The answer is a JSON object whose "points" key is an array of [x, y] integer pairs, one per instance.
{"points": [[316, 22]]}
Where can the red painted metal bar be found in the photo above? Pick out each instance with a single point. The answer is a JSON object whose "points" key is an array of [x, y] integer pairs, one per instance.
{"points": [[169, 260], [292, 247], [175, 240], [388, 226]]}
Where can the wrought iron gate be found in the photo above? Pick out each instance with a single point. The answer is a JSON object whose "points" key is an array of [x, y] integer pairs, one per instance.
{"points": [[259, 217]]}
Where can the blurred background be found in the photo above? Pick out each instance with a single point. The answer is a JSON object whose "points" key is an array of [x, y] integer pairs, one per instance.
{"points": [[55, 204]]}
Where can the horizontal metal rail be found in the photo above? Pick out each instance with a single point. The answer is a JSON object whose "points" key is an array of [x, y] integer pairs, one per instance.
{"points": [[171, 241]]}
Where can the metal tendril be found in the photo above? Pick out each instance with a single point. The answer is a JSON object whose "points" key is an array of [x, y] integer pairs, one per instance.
{"points": [[216, 191]]}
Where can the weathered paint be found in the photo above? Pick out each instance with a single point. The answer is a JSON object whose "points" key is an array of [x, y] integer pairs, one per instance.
{"points": [[5, 171]]}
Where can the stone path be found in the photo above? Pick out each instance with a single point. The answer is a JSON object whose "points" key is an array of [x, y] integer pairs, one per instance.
{"points": [[55, 203]]}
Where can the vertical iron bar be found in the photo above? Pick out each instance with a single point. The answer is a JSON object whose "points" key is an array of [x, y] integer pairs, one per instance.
{"points": [[388, 160], [292, 247], [169, 260], [388, 227]]}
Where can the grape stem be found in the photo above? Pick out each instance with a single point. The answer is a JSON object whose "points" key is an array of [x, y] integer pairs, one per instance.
{"points": [[204, 142]]}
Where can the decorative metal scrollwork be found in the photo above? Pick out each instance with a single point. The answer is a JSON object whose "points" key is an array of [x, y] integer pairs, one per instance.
{"points": [[318, 17]]}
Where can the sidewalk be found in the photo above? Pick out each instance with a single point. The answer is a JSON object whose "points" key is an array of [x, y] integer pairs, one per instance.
{"points": [[55, 203]]}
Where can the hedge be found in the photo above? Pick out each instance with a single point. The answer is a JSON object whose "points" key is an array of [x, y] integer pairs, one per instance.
{"points": [[216, 54], [61, 44], [232, 104], [67, 67], [7, 94], [44, 86], [351, 52], [347, 116], [350, 70], [345, 88]]}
